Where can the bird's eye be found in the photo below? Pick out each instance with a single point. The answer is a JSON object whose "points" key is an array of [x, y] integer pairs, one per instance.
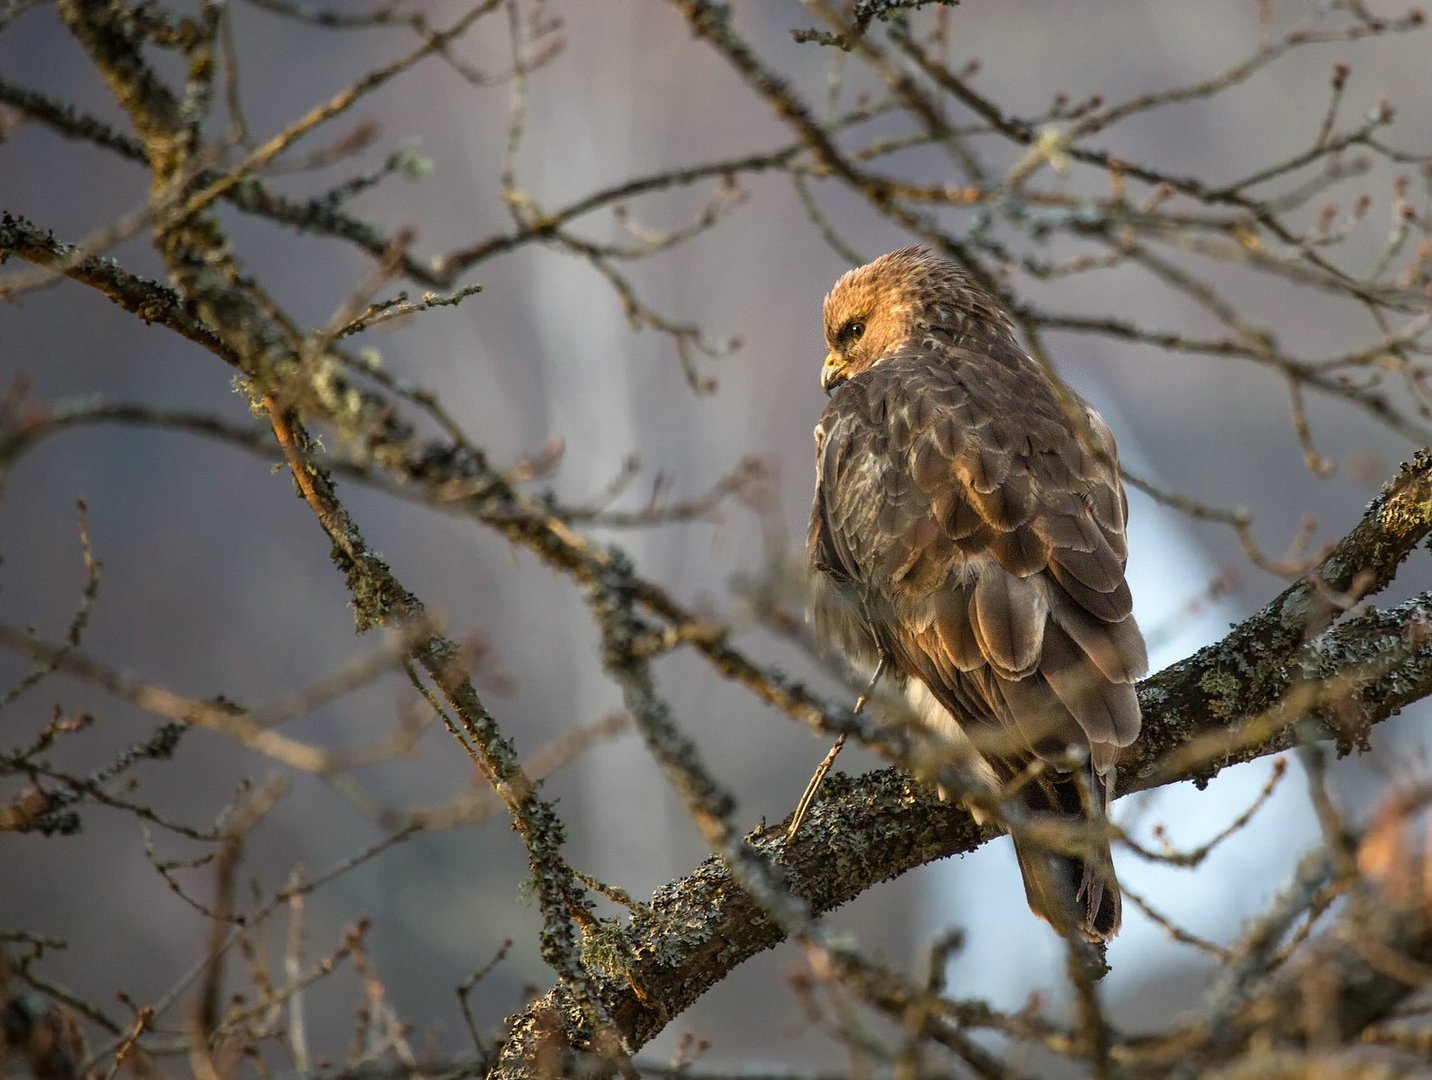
{"points": [[851, 331]]}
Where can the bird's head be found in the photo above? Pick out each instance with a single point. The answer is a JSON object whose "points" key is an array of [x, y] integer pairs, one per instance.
{"points": [[876, 309]]}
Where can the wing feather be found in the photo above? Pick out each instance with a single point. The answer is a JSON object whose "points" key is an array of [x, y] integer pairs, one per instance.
{"points": [[1007, 615], [962, 527], [1107, 712]]}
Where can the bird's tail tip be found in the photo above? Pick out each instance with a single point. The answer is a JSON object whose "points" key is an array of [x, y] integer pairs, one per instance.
{"points": [[1079, 897]]}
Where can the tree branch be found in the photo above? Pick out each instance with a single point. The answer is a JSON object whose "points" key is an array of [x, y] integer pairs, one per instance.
{"points": [[1262, 689]]}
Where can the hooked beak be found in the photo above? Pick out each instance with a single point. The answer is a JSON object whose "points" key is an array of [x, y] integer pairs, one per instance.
{"points": [[832, 374]]}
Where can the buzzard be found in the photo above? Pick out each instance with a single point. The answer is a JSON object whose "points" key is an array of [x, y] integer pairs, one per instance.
{"points": [[967, 535]]}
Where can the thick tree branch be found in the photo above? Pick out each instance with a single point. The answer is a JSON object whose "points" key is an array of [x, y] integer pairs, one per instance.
{"points": [[1272, 683]]}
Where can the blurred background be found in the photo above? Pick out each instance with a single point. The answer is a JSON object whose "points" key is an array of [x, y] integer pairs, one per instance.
{"points": [[216, 580]]}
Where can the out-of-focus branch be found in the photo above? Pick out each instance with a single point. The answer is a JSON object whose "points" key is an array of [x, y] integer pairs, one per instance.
{"points": [[262, 345], [458, 477]]}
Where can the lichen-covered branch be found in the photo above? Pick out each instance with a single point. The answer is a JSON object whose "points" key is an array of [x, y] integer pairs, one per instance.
{"points": [[872, 828], [207, 275]]}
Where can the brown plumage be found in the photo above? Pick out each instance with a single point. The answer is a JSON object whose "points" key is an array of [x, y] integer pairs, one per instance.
{"points": [[961, 528]]}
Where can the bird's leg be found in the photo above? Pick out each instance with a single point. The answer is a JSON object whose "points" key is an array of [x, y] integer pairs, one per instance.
{"points": [[803, 806], [870, 686]]}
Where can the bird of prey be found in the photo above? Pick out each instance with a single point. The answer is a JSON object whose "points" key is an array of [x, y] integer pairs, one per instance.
{"points": [[968, 534]]}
